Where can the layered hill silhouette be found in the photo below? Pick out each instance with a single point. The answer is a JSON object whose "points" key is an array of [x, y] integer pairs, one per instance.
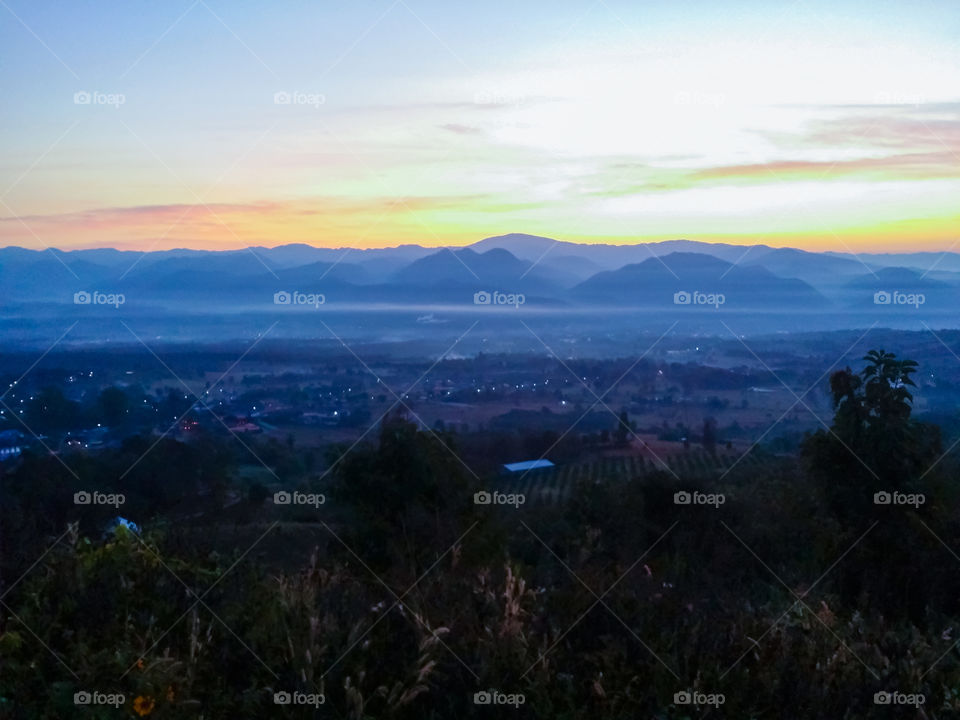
{"points": [[682, 278], [546, 272]]}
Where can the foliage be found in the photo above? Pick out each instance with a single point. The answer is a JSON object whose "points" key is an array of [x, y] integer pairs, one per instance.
{"points": [[603, 603]]}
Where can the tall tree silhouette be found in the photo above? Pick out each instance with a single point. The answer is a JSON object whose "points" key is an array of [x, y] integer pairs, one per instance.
{"points": [[874, 445]]}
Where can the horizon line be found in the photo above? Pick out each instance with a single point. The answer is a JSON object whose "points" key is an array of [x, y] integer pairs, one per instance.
{"points": [[468, 245], [452, 245]]}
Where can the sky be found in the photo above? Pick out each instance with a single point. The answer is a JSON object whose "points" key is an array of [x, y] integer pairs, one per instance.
{"points": [[371, 123]]}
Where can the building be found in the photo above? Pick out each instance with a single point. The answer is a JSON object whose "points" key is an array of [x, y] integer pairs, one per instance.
{"points": [[11, 444], [527, 465]]}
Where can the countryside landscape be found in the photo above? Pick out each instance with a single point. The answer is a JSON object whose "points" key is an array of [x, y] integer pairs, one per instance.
{"points": [[404, 360]]}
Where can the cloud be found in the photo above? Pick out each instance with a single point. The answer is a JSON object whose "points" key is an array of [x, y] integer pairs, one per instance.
{"points": [[894, 132], [336, 220], [891, 127], [462, 129], [900, 166]]}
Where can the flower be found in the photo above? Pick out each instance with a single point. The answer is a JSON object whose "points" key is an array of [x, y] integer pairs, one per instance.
{"points": [[143, 706]]}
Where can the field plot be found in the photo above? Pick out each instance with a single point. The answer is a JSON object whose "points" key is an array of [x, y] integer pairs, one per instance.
{"points": [[557, 484]]}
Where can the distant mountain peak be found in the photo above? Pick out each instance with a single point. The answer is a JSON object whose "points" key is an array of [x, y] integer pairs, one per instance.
{"points": [[496, 253]]}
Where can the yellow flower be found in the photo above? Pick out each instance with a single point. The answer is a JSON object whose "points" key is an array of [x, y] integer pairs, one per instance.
{"points": [[143, 706]]}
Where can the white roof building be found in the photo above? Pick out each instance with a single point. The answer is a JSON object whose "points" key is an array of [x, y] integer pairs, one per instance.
{"points": [[527, 465]]}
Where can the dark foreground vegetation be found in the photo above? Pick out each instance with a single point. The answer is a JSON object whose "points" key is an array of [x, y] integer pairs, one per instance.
{"points": [[824, 585]]}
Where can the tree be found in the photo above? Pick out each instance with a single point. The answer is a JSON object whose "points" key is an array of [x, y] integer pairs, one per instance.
{"points": [[51, 410], [409, 485], [873, 439], [710, 435], [874, 446], [623, 427], [113, 405]]}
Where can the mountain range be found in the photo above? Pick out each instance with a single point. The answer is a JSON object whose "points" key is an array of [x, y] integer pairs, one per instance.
{"points": [[544, 272]]}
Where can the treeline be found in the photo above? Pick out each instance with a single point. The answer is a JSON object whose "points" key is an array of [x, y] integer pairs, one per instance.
{"points": [[817, 583]]}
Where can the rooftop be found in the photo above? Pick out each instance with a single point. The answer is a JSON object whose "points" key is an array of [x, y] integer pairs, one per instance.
{"points": [[527, 465]]}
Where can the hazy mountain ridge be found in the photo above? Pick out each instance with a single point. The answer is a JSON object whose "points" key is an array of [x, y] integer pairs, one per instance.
{"points": [[541, 269], [674, 278]]}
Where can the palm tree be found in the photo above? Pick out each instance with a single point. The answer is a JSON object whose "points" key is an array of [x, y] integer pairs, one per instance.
{"points": [[886, 397], [873, 444]]}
